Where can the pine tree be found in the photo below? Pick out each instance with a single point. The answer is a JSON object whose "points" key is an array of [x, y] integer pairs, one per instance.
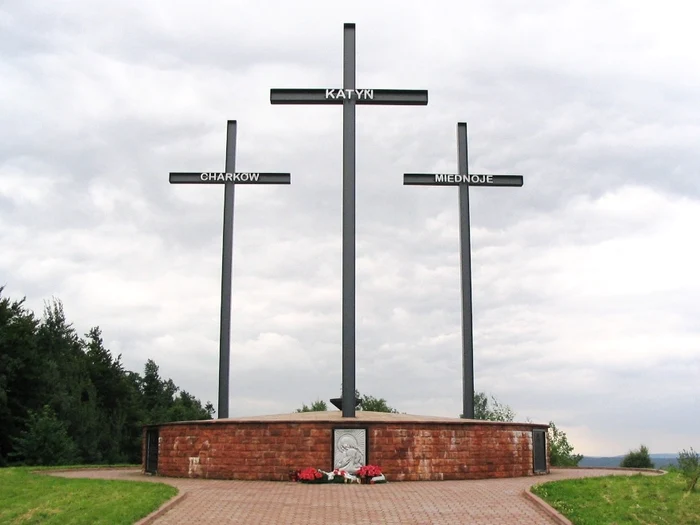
{"points": [[45, 442]]}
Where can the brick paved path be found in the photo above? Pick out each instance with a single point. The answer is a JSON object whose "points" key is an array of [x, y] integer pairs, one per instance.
{"points": [[488, 502]]}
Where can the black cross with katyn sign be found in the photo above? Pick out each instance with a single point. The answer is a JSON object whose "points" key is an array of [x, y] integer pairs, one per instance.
{"points": [[464, 179], [348, 96], [229, 178]]}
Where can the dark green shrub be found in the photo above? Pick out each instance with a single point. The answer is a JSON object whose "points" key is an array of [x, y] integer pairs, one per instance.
{"points": [[637, 459]]}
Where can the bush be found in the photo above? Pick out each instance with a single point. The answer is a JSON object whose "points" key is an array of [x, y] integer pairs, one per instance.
{"points": [[493, 411], [561, 452], [689, 465], [637, 459], [316, 406], [373, 404]]}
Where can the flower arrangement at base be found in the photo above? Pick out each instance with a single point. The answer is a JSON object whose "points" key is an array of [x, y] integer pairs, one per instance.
{"points": [[371, 474], [341, 476], [312, 475]]}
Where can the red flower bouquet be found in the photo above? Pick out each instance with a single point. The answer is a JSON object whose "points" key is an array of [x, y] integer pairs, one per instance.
{"points": [[370, 474], [368, 471], [311, 475]]}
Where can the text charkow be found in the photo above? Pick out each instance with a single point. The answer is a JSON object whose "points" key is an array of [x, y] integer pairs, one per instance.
{"points": [[358, 94], [467, 179], [230, 177]]}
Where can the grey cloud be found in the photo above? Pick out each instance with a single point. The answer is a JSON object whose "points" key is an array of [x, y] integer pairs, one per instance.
{"points": [[585, 288]]}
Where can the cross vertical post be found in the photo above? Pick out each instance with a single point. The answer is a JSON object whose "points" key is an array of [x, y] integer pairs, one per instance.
{"points": [[466, 276], [348, 270], [229, 179], [227, 274], [349, 96], [464, 179]]}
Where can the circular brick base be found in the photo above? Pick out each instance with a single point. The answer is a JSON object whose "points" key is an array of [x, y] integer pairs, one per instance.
{"points": [[407, 448]]}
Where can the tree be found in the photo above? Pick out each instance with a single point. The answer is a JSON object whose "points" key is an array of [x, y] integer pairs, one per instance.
{"points": [[72, 394], [316, 406], [162, 406], [367, 404], [56, 385], [637, 459], [23, 382], [689, 465], [561, 452], [187, 408], [45, 442], [494, 412], [120, 411], [157, 393], [373, 404]]}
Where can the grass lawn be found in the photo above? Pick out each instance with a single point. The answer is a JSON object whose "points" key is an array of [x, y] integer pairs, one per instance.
{"points": [[36, 498], [638, 499]]}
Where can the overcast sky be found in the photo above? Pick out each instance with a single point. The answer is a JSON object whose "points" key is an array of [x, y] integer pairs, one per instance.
{"points": [[586, 281]]}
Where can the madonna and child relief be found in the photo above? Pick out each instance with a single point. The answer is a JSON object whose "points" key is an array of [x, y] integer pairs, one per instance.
{"points": [[349, 449]]}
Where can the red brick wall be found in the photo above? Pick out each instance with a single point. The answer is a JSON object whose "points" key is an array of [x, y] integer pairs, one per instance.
{"points": [[404, 451]]}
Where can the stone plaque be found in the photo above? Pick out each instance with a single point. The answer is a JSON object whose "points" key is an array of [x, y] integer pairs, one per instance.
{"points": [[349, 449]]}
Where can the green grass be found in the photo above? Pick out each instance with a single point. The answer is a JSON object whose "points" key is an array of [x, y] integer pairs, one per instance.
{"points": [[622, 500], [83, 467], [27, 497]]}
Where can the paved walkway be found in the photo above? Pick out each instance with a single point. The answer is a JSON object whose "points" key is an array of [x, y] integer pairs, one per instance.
{"points": [[488, 502]]}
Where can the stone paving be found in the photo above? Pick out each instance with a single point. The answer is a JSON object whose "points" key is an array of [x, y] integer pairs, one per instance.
{"points": [[492, 501]]}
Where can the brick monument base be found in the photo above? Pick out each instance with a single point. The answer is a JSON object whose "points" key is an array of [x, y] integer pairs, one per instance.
{"points": [[406, 448]]}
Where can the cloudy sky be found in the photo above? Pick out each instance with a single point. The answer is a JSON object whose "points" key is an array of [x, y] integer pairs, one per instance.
{"points": [[586, 281]]}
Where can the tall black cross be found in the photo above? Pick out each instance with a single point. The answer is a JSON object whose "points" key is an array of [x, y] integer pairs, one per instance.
{"points": [[349, 96], [463, 179], [229, 179]]}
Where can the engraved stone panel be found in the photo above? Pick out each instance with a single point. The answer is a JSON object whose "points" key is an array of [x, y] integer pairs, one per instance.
{"points": [[349, 449]]}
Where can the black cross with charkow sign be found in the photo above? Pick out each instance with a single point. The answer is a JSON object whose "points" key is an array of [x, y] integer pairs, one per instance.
{"points": [[229, 178], [464, 179], [348, 96]]}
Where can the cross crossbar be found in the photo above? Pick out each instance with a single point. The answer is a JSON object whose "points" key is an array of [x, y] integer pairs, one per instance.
{"points": [[235, 178], [379, 97], [453, 179]]}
